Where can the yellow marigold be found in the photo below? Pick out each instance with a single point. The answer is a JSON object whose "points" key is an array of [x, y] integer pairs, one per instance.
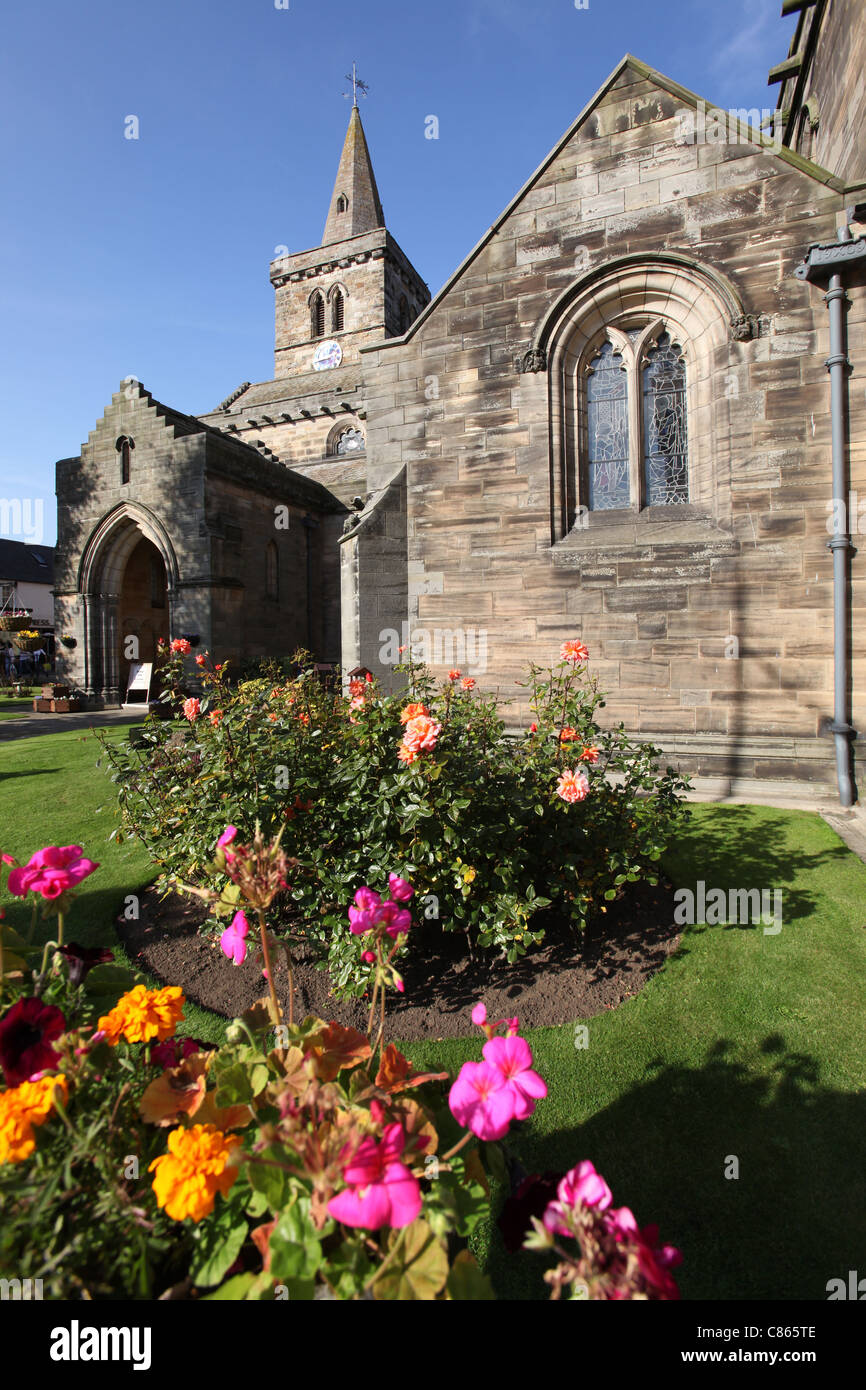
{"points": [[21, 1108], [201, 1162], [143, 1014], [413, 712]]}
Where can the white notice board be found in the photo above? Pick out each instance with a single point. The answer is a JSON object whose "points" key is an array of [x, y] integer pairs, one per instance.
{"points": [[140, 673]]}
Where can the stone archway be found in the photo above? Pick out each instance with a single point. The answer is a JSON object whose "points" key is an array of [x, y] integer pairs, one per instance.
{"points": [[124, 593]]}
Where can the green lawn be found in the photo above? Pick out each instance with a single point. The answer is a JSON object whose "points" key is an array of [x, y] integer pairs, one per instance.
{"points": [[14, 709], [52, 793], [746, 1046]]}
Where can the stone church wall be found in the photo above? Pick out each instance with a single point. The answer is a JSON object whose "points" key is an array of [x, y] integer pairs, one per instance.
{"points": [[657, 606]]}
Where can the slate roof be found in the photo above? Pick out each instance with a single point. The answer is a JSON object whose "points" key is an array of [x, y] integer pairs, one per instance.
{"points": [[25, 563]]}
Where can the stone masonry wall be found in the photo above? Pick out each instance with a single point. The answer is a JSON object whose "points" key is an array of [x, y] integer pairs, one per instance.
{"points": [[474, 438]]}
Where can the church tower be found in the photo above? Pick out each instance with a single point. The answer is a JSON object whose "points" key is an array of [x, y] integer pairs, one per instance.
{"points": [[356, 288]]}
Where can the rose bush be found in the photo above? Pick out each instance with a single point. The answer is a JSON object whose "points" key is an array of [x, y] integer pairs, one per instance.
{"points": [[491, 828]]}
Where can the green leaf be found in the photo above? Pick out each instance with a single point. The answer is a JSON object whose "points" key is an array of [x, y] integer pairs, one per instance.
{"points": [[295, 1251], [466, 1283], [218, 1243], [270, 1182], [419, 1268], [235, 1288]]}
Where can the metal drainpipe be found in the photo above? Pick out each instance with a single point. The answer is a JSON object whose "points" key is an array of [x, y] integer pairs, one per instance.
{"points": [[840, 542], [823, 261]]}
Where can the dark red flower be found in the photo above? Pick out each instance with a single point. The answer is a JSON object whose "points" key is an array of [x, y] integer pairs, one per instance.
{"points": [[81, 959], [174, 1051], [26, 1033], [530, 1199]]}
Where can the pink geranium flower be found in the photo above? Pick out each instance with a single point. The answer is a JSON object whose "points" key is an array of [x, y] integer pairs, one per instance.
{"points": [[481, 1101], [381, 1191], [479, 1014], [233, 941], [51, 871], [512, 1058]]}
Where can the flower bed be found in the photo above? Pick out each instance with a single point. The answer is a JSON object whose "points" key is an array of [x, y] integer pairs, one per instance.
{"points": [[491, 829], [298, 1160]]}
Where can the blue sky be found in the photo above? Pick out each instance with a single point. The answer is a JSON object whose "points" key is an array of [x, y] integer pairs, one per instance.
{"points": [[150, 257]]}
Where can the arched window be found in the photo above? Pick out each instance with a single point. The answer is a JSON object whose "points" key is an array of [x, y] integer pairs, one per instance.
{"points": [[634, 435], [317, 315], [607, 448], [638, 357], [337, 312], [351, 441], [272, 570], [665, 431], [342, 203], [124, 447]]}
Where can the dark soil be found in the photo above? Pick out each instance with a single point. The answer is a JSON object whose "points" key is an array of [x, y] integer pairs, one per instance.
{"points": [[566, 978]]}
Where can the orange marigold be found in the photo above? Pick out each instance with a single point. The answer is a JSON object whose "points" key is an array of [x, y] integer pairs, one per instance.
{"points": [[201, 1161], [22, 1108], [142, 1014], [413, 712]]}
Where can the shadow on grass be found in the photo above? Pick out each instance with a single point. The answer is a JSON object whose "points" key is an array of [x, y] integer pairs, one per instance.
{"points": [[793, 1219], [30, 772], [731, 848]]}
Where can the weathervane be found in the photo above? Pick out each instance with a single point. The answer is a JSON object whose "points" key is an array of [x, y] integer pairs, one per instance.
{"points": [[357, 85]]}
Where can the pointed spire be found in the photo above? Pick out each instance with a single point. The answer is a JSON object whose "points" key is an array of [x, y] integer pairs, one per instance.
{"points": [[355, 205]]}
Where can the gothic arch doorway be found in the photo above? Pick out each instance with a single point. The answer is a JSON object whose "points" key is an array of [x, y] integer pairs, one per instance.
{"points": [[127, 580]]}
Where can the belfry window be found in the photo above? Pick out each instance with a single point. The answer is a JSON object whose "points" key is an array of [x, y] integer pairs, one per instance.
{"points": [[124, 447], [337, 312], [342, 203], [317, 316]]}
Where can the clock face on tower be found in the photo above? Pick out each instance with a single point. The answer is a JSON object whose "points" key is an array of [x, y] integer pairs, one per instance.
{"points": [[328, 354]]}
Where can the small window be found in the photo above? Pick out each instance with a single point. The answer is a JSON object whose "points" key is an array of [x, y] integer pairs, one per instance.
{"points": [[317, 316], [272, 571], [124, 447], [342, 203], [337, 312], [351, 441]]}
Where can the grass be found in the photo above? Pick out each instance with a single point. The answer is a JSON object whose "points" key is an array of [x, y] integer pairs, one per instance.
{"points": [[52, 792], [14, 709], [746, 1051]]}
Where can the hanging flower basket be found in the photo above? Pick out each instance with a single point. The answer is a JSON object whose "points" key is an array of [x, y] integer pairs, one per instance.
{"points": [[13, 622], [30, 642]]}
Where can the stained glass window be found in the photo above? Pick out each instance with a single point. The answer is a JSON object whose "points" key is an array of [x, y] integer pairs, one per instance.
{"points": [[665, 442], [607, 431]]}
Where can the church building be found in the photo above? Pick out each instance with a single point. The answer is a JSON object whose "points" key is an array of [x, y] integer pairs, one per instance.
{"points": [[635, 415]]}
